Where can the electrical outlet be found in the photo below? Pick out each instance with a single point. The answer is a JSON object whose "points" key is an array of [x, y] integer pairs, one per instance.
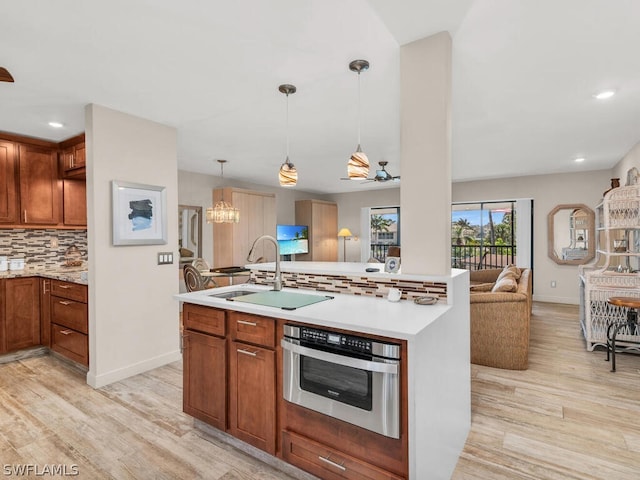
{"points": [[165, 258], [553, 284], [54, 242]]}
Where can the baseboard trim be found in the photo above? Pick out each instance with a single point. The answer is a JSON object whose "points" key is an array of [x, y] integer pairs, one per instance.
{"points": [[97, 381]]}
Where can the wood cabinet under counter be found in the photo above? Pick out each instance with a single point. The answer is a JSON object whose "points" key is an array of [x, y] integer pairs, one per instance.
{"points": [[69, 321]]}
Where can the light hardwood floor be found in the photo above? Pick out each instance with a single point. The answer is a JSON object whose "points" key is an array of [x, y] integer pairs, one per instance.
{"points": [[567, 417]]}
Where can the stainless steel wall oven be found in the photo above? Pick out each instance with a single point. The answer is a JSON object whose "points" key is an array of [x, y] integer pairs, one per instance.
{"points": [[352, 378]]}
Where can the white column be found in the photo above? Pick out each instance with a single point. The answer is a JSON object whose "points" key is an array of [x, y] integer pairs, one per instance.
{"points": [[425, 192]]}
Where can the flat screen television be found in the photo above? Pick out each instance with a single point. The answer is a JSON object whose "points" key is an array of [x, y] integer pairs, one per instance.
{"points": [[292, 239]]}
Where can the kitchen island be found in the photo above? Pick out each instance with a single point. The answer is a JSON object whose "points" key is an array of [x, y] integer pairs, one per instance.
{"points": [[436, 383]]}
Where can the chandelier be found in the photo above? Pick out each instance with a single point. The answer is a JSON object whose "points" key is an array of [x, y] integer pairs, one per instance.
{"points": [[222, 212]]}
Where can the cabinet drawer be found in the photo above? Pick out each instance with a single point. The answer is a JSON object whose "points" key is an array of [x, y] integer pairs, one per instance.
{"points": [[328, 463], [70, 343], [204, 319], [68, 313], [72, 291], [254, 329]]}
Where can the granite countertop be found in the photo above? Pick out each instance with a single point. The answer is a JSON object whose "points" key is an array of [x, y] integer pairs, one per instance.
{"points": [[67, 274]]}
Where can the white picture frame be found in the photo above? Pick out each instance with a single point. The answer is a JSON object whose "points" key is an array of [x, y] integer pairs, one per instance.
{"points": [[139, 214]]}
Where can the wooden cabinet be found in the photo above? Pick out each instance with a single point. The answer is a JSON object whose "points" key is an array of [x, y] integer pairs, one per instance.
{"points": [[35, 188], [252, 375], [8, 184], [74, 195], [322, 219], [45, 312], [22, 313], [205, 365], [232, 241], [329, 463], [40, 188], [69, 320], [73, 158], [248, 357]]}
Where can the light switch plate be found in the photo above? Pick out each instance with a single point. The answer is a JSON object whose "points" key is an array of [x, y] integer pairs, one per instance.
{"points": [[165, 258]]}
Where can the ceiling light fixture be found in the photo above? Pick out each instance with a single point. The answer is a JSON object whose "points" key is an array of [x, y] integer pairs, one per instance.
{"points": [[605, 94], [579, 160], [288, 174], [222, 212], [358, 166], [56, 124]]}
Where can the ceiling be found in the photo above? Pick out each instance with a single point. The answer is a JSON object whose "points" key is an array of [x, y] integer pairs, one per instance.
{"points": [[524, 75]]}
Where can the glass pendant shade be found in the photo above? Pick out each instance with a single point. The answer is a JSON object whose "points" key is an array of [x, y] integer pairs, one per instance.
{"points": [[288, 175], [358, 166]]}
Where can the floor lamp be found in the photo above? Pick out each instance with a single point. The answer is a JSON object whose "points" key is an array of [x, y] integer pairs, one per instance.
{"points": [[344, 233]]}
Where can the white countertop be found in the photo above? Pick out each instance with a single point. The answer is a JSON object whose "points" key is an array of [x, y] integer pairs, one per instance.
{"points": [[377, 316], [357, 269]]}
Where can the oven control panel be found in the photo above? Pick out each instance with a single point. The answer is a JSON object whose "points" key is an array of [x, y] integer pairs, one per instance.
{"points": [[346, 342], [328, 340]]}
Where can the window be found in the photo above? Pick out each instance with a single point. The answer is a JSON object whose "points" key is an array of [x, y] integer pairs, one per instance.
{"points": [[384, 231], [483, 235]]}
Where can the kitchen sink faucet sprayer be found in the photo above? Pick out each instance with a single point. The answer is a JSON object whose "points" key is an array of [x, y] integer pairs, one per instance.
{"points": [[277, 280]]}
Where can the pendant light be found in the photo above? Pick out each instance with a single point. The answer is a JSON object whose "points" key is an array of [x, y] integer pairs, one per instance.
{"points": [[288, 175], [222, 212], [358, 166]]}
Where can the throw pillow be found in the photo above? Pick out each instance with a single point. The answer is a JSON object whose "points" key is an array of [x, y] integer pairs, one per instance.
{"points": [[509, 271], [481, 287], [506, 284]]}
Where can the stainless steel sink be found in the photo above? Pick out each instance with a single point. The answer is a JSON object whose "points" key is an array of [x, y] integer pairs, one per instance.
{"points": [[233, 293]]}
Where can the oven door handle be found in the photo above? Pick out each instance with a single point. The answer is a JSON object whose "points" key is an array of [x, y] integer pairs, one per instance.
{"points": [[392, 367]]}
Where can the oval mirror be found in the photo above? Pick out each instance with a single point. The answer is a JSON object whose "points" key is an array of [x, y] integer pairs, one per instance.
{"points": [[571, 234]]}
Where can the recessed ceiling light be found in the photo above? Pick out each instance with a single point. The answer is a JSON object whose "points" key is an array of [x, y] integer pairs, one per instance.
{"points": [[56, 124], [579, 159], [605, 94]]}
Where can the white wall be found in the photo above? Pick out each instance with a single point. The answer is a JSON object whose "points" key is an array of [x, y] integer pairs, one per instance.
{"points": [[133, 319], [197, 189], [547, 191], [349, 207], [630, 160]]}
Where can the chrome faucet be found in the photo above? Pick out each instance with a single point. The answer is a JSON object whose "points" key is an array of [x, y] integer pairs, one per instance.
{"points": [[277, 280]]}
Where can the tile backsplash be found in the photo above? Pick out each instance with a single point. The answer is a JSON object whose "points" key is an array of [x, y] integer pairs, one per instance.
{"points": [[37, 246]]}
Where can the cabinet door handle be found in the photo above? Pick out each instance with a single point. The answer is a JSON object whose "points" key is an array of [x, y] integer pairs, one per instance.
{"points": [[44, 287], [25, 216], [332, 463], [63, 302], [66, 332], [247, 352], [65, 286], [244, 322]]}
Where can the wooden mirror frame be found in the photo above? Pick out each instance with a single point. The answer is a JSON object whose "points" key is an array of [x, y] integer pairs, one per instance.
{"points": [[591, 248]]}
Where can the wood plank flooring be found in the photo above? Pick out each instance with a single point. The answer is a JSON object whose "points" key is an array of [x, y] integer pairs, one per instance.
{"points": [[567, 417]]}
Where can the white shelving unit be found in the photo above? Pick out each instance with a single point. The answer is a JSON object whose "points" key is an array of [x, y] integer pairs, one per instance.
{"points": [[616, 269]]}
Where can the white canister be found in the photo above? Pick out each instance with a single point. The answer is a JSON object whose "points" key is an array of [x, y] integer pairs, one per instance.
{"points": [[16, 264], [4, 264]]}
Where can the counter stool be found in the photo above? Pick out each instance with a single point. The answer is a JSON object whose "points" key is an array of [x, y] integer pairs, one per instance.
{"points": [[614, 328]]}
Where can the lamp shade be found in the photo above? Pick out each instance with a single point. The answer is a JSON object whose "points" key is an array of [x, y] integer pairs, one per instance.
{"points": [[345, 232]]}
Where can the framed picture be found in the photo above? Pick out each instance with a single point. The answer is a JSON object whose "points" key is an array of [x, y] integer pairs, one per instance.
{"points": [[139, 214]]}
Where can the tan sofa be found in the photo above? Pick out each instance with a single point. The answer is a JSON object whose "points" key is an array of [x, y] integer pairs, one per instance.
{"points": [[500, 322]]}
